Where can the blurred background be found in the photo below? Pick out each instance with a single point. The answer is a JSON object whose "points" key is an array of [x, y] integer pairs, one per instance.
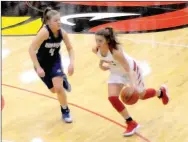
{"points": [[87, 17]]}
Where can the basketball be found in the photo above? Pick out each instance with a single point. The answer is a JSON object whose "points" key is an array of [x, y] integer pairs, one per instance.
{"points": [[127, 98]]}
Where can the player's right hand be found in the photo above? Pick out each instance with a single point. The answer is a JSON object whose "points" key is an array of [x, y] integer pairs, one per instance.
{"points": [[104, 68], [40, 72]]}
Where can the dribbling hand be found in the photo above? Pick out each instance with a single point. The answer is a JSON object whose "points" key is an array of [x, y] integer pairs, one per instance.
{"points": [[40, 72], [104, 68]]}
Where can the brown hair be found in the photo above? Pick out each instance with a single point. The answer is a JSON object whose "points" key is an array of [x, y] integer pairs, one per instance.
{"points": [[110, 37]]}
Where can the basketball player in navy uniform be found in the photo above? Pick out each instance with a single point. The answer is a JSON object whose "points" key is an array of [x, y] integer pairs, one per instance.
{"points": [[47, 61]]}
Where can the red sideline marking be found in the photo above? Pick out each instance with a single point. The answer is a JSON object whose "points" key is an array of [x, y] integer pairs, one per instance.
{"points": [[95, 113]]}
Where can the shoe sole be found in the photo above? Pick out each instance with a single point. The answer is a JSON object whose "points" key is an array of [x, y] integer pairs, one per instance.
{"points": [[133, 131], [68, 89], [67, 121], [166, 88]]}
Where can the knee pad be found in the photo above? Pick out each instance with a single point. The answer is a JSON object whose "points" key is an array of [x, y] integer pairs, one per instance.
{"points": [[149, 93], [116, 103]]}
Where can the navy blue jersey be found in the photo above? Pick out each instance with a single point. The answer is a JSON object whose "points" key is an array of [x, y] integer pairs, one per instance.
{"points": [[48, 52]]}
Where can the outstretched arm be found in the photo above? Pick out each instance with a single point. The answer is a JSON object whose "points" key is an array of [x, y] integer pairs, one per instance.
{"points": [[70, 52]]}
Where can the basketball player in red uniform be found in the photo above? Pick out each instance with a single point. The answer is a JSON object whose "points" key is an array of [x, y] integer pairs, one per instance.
{"points": [[124, 70]]}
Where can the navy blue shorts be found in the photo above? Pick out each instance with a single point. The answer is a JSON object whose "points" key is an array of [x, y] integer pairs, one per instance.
{"points": [[51, 72]]}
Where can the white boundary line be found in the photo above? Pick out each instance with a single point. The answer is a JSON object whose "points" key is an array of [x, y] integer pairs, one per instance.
{"points": [[7, 141]]}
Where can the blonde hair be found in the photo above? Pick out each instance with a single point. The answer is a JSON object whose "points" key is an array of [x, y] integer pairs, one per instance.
{"points": [[48, 14]]}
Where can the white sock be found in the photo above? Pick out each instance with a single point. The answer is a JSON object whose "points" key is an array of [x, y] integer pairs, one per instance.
{"points": [[159, 92], [64, 106]]}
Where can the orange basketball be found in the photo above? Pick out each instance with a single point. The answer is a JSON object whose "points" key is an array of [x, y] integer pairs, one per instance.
{"points": [[127, 98]]}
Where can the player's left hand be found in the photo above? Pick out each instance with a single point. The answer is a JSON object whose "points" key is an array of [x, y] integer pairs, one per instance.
{"points": [[70, 69]]}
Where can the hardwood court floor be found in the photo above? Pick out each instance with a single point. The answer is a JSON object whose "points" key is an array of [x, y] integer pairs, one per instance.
{"points": [[28, 115]]}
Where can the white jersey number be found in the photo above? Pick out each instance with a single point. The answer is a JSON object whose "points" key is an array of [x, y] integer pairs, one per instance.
{"points": [[52, 51]]}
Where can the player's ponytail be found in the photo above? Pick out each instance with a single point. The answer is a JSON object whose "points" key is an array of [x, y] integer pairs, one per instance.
{"points": [[48, 13], [113, 43], [45, 15], [110, 37]]}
